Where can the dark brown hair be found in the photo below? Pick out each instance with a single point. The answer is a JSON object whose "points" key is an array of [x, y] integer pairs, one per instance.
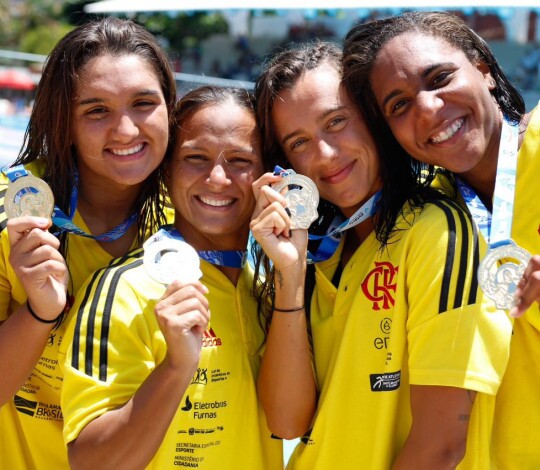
{"points": [[364, 42], [48, 136]]}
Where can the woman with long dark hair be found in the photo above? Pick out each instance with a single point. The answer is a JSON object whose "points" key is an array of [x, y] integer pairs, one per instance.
{"points": [[402, 353], [438, 88], [97, 135]]}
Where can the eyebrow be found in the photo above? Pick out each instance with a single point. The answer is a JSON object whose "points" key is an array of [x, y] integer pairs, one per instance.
{"points": [[322, 117], [424, 74], [242, 150], [101, 100]]}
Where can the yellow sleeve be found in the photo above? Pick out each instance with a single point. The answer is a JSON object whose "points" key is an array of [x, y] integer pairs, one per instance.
{"points": [[110, 349], [466, 344]]}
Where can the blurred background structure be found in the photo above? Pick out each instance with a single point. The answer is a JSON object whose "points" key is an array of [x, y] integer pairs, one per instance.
{"points": [[212, 41]]}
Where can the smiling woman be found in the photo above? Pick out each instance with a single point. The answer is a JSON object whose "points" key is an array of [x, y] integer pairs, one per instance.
{"points": [[97, 136], [437, 86], [164, 361], [398, 289]]}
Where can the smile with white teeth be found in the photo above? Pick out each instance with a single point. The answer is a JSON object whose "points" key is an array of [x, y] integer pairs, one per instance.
{"points": [[447, 133], [130, 151], [216, 202]]}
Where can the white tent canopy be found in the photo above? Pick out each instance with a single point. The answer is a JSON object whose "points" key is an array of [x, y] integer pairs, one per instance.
{"points": [[110, 6]]}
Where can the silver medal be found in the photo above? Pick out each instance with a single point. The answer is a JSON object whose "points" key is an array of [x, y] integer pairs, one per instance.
{"points": [[500, 272], [302, 199], [28, 195], [168, 259]]}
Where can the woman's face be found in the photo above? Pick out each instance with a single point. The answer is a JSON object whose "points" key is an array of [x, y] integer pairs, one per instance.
{"points": [[120, 121], [437, 103], [216, 159], [325, 138]]}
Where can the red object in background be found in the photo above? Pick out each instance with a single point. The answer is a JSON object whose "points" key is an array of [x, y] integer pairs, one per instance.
{"points": [[16, 80]]}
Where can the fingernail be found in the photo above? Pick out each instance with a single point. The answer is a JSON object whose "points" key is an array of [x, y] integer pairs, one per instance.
{"points": [[288, 211], [277, 170]]}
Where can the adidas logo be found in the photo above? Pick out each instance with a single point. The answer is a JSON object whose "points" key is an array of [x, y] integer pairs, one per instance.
{"points": [[210, 339]]}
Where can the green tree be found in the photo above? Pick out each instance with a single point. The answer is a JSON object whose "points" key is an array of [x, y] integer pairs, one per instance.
{"points": [[42, 39], [183, 31]]}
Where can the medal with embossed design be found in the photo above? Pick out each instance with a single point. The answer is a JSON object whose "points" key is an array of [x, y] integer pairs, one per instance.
{"points": [[28, 195], [170, 259], [500, 272], [302, 198]]}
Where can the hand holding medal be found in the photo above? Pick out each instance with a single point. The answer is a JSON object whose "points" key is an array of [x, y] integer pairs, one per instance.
{"points": [[302, 198]]}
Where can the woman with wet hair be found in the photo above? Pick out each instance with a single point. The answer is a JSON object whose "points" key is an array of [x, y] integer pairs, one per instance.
{"points": [[182, 354], [435, 84], [97, 135], [393, 352]]}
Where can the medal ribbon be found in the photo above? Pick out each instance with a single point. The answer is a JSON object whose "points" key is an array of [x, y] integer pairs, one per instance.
{"points": [[227, 258], [331, 238], [496, 227], [65, 223]]}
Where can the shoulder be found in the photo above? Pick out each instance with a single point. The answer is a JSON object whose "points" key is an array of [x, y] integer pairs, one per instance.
{"points": [[439, 216], [120, 273]]}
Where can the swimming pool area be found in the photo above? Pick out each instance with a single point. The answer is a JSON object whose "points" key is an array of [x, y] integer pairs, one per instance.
{"points": [[12, 128]]}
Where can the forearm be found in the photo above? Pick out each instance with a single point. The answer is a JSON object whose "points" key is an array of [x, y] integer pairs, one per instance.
{"points": [[121, 439], [22, 341], [286, 383], [418, 457]]}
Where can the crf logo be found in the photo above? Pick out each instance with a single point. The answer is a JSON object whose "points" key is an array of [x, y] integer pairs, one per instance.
{"points": [[379, 285]]}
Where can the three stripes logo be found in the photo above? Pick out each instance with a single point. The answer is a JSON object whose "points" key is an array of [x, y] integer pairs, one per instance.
{"points": [[210, 339]]}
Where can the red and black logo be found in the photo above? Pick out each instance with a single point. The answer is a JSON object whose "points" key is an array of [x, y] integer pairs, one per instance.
{"points": [[379, 285]]}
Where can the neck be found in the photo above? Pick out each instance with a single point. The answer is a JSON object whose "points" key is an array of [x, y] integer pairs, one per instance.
{"points": [[208, 241], [354, 237], [483, 185], [218, 242], [103, 210], [232, 274], [482, 178], [106, 207]]}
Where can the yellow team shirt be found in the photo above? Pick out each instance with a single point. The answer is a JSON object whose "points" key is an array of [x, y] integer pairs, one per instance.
{"points": [[31, 423], [409, 314], [517, 415], [117, 343]]}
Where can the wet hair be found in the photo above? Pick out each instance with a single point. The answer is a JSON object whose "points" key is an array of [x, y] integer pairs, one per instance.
{"points": [[208, 95], [49, 135], [194, 101], [364, 42], [403, 178], [281, 72]]}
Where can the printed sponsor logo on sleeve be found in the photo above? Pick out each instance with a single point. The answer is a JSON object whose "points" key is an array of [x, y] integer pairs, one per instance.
{"points": [[385, 382]]}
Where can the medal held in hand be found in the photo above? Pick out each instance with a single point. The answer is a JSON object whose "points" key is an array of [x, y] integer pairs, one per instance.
{"points": [[500, 272], [302, 198], [168, 259], [28, 195]]}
